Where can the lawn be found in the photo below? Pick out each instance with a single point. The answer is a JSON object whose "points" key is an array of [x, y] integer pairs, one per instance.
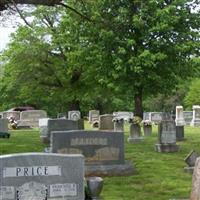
{"points": [[160, 176]]}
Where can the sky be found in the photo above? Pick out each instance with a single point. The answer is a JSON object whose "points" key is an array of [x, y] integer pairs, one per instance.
{"points": [[4, 36]]}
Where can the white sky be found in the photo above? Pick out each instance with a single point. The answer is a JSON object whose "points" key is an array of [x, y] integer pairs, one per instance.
{"points": [[4, 36]]}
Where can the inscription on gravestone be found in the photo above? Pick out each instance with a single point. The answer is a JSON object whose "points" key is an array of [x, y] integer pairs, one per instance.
{"points": [[39, 176], [98, 147]]}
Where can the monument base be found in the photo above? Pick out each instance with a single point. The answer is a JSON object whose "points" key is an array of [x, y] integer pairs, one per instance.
{"points": [[135, 140], [4, 135], [110, 170], [195, 122], [189, 169], [166, 148]]}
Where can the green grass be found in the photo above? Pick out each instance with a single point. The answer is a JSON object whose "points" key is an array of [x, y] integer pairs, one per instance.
{"points": [[160, 176]]}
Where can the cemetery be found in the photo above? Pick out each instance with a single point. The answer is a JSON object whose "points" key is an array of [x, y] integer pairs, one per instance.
{"points": [[99, 100], [149, 168]]}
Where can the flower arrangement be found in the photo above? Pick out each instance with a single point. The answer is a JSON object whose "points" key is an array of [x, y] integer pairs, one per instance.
{"points": [[146, 122], [135, 120], [116, 119]]}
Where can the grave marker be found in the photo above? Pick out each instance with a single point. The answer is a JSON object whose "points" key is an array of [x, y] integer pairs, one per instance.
{"points": [[40, 176]]}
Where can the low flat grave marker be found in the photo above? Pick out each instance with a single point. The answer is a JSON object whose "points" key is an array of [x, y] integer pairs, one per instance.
{"points": [[40, 176]]}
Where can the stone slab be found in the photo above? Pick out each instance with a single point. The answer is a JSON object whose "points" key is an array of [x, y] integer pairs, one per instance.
{"points": [[110, 170], [106, 122], [74, 115], [40, 176], [4, 125], [166, 148], [98, 147]]}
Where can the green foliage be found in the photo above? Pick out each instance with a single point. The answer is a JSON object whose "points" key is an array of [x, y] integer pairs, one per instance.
{"points": [[193, 96], [126, 51]]}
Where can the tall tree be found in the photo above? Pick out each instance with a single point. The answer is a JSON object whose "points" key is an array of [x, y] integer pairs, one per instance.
{"points": [[143, 47]]}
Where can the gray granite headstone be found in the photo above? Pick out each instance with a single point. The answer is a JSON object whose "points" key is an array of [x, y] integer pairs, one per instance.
{"points": [[40, 176], [14, 114], [61, 125], [74, 115], [118, 125], [167, 137], [98, 147], [123, 115], [187, 115], [103, 150], [135, 133], [3, 125], [179, 133], [106, 122], [156, 117], [94, 115], [195, 193], [31, 118]]}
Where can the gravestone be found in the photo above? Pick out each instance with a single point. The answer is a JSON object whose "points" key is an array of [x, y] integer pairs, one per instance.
{"points": [[118, 124], [135, 133], [93, 116], [167, 137], [147, 129], [195, 192], [123, 115], [180, 121], [43, 122], [147, 116], [156, 117], [14, 114], [103, 150], [60, 125], [180, 133], [4, 128], [196, 116], [31, 118], [190, 160], [106, 122], [40, 176], [74, 115], [188, 115], [1, 115]]}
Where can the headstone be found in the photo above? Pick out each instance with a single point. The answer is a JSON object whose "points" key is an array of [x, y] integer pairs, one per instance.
{"points": [[4, 128], [167, 137], [180, 121], [147, 116], [188, 115], [190, 160], [14, 114], [103, 150], [118, 124], [196, 116], [106, 122], [147, 128], [195, 193], [1, 115], [93, 116], [40, 176], [43, 123], [31, 118], [60, 125], [123, 115], [135, 133], [156, 117], [180, 133], [74, 115]]}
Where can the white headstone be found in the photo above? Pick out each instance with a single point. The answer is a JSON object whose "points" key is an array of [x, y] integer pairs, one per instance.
{"points": [[180, 121], [196, 116]]}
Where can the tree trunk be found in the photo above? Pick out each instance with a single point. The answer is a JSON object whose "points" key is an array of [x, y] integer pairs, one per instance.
{"points": [[74, 105], [138, 103]]}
